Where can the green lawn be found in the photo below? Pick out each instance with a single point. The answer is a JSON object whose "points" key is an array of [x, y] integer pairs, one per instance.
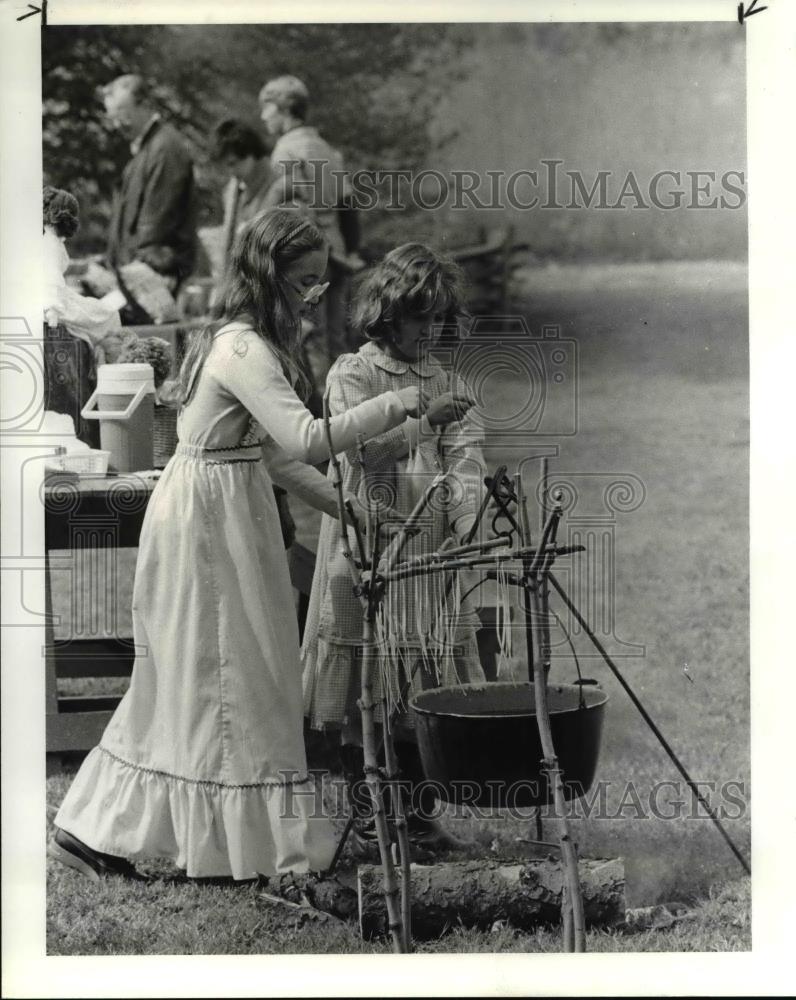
{"points": [[662, 396]]}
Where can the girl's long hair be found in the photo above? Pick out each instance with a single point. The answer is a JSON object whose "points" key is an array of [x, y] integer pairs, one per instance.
{"points": [[410, 282], [255, 292]]}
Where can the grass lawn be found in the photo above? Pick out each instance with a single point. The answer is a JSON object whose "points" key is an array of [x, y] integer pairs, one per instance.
{"points": [[662, 396]]}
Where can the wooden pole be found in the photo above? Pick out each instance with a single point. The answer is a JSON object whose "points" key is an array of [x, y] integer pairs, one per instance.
{"points": [[376, 589], [396, 546], [366, 706], [543, 496], [402, 834], [525, 538], [574, 923]]}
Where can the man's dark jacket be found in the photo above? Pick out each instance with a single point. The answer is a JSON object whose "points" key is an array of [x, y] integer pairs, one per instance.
{"points": [[153, 215]]}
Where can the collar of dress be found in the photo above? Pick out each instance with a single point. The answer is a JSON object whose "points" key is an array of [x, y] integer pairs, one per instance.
{"points": [[139, 140], [422, 367]]}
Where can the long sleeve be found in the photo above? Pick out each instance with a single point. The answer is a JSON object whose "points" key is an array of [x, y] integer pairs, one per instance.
{"points": [[348, 387], [84, 317], [299, 479], [154, 211], [247, 369], [167, 193]]}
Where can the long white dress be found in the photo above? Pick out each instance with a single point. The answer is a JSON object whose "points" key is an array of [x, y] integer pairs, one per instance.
{"points": [[204, 760]]}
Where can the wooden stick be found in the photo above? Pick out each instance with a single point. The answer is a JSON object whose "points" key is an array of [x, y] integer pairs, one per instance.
{"points": [[366, 706], [390, 759], [364, 481], [396, 546], [574, 923], [338, 485], [402, 834], [516, 555], [543, 496], [524, 519], [429, 558], [363, 559], [373, 782], [377, 590], [518, 493]]}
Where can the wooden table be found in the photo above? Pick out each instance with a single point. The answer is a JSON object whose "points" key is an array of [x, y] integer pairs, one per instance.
{"points": [[104, 513]]}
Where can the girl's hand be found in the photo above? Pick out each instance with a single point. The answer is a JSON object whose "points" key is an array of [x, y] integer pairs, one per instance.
{"points": [[414, 399], [448, 408]]}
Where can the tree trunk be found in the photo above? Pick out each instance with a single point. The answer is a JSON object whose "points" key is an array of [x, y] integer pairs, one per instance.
{"points": [[526, 893]]}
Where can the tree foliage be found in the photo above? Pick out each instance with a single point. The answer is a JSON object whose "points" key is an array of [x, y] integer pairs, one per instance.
{"points": [[373, 90]]}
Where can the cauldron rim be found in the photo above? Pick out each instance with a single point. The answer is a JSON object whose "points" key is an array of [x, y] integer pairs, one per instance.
{"points": [[589, 694]]}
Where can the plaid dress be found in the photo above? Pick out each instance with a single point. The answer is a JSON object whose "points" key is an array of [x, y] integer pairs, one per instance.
{"points": [[399, 465]]}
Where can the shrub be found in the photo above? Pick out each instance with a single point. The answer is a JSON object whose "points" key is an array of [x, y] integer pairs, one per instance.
{"points": [[152, 351]]}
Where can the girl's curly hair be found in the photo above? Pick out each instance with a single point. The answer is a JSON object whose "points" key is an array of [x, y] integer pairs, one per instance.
{"points": [[411, 282], [61, 211]]}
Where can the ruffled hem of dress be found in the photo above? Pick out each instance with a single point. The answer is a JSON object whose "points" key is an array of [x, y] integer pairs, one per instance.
{"points": [[207, 828]]}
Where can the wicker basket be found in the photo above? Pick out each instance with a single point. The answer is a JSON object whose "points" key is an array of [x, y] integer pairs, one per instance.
{"points": [[165, 435]]}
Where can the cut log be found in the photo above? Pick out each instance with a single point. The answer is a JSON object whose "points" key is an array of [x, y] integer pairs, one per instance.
{"points": [[525, 893], [329, 895]]}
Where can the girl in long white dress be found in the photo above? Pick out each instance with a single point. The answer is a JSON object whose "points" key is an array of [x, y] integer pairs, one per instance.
{"points": [[204, 761]]}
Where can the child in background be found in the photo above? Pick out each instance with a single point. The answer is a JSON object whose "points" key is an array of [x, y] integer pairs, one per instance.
{"points": [[401, 307]]}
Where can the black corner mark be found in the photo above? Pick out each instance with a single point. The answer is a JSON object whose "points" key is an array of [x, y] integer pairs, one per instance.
{"points": [[751, 9], [36, 10]]}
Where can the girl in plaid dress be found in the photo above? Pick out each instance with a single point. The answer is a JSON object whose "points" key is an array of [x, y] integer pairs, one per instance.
{"points": [[402, 305]]}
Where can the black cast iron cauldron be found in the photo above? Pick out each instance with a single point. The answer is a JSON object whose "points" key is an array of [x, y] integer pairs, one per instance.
{"points": [[480, 742]]}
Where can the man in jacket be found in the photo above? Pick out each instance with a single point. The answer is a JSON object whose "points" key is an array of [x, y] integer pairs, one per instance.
{"points": [[309, 173], [153, 218]]}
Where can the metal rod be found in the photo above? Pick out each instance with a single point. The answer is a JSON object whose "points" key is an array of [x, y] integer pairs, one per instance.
{"points": [[647, 718], [491, 485]]}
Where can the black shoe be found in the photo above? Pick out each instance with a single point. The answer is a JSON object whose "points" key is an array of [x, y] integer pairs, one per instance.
{"points": [[363, 843], [93, 864]]}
